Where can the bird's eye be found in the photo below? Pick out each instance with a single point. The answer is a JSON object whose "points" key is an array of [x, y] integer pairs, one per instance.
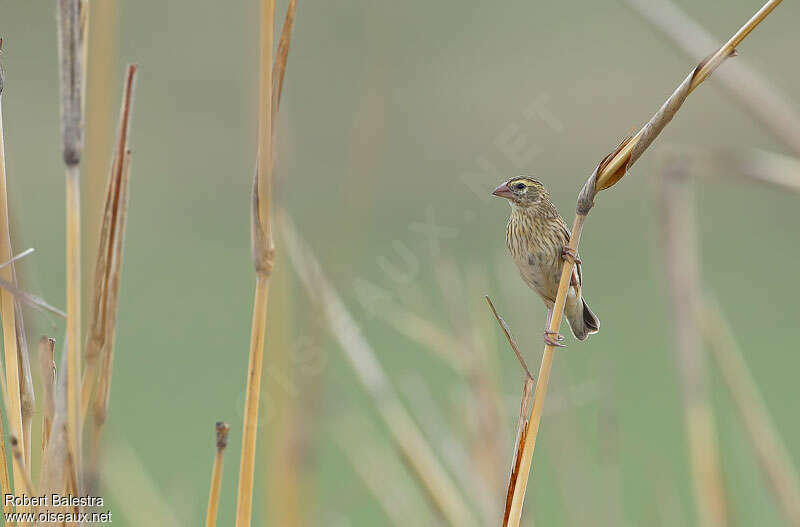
{"points": [[519, 186]]}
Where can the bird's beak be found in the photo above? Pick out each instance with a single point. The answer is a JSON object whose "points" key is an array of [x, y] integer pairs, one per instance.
{"points": [[503, 191]]}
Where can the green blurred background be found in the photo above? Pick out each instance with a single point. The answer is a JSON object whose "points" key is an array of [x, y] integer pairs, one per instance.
{"points": [[394, 113]]}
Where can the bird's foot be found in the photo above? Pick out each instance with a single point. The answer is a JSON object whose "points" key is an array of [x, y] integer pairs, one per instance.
{"points": [[553, 338], [569, 254]]}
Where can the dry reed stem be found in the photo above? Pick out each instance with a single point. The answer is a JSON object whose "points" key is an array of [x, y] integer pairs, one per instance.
{"points": [[522, 432], [9, 314], [362, 358], [772, 108], [108, 266], [48, 366], [263, 257], [216, 474], [262, 245], [610, 170], [679, 242], [771, 451], [72, 26]]}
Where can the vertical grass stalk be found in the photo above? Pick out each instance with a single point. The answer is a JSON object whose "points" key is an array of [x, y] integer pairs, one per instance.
{"points": [[72, 24], [8, 311], [262, 244]]}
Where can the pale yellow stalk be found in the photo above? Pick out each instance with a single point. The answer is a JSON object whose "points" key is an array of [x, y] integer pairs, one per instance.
{"points": [[7, 310]]}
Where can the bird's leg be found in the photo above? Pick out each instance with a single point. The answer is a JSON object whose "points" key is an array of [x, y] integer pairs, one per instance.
{"points": [[550, 335], [569, 254]]}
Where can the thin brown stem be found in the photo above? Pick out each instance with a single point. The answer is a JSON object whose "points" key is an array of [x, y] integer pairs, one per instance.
{"points": [[509, 337], [216, 474]]}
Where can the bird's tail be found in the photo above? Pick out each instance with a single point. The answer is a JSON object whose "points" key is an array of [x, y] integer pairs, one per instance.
{"points": [[581, 319]]}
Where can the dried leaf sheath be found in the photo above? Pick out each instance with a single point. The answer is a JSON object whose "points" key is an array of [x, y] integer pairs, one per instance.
{"points": [[108, 266]]}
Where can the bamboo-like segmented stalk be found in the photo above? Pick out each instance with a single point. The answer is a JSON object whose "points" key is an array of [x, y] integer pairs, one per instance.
{"points": [[72, 25], [262, 245], [263, 255], [8, 311], [216, 474], [769, 447], [611, 170], [679, 242]]}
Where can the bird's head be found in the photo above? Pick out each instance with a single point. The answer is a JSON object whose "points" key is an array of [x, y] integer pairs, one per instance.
{"points": [[523, 191]]}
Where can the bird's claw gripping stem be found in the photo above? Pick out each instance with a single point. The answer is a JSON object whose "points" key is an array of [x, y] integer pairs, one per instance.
{"points": [[550, 335], [569, 254]]}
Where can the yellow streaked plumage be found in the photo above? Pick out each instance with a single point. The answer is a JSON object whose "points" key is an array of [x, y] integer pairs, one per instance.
{"points": [[536, 237]]}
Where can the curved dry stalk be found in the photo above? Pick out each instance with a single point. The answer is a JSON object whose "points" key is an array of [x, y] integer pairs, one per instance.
{"points": [[361, 357], [614, 167], [216, 474], [769, 447], [607, 173], [262, 244], [773, 109]]}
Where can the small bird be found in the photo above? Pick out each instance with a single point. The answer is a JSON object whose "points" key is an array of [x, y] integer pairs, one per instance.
{"points": [[537, 238]]}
